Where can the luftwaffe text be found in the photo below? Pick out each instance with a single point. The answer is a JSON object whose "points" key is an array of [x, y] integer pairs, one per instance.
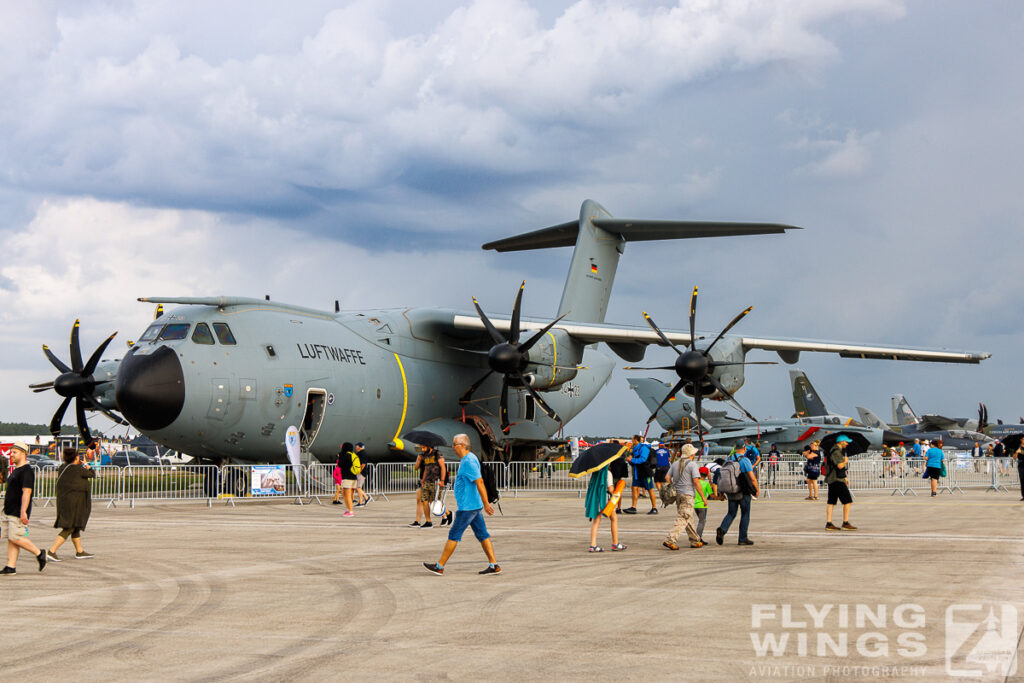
{"points": [[316, 351]]}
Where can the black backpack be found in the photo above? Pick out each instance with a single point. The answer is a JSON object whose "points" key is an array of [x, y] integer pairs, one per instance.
{"points": [[490, 483]]}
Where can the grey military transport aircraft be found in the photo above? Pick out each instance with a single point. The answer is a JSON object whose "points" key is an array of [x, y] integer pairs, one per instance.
{"points": [[223, 376]]}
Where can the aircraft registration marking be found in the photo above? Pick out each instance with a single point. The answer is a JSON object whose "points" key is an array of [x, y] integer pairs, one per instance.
{"points": [[335, 353]]}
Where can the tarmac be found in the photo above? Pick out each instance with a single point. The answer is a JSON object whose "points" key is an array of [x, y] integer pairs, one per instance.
{"points": [[276, 591]]}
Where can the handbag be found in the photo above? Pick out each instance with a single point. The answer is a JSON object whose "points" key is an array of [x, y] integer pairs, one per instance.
{"points": [[437, 508], [943, 472]]}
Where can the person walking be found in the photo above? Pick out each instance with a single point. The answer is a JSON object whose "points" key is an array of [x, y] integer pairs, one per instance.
{"points": [[684, 476], [599, 489], [739, 500], [662, 461], [838, 491], [700, 505], [774, 457], [433, 478], [361, 498], [348, 463], [18, 509], [934, 462], [812, 469], [643, 475], [74, 504], [471, 499]]}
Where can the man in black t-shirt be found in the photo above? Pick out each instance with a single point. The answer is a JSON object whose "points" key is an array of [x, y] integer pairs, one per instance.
{"points": [[17, 509]]}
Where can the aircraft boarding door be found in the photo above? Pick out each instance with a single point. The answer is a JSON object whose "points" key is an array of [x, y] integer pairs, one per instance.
{"points": [[316, 402]]}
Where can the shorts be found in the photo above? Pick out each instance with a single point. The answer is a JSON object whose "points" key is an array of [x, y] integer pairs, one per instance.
{"points": [[934, 472], [468, 518], [11, 527], [839, 492], [811, 475], [348, 483], [660, 475], [642, 478], [428, 491], [360, 480]]}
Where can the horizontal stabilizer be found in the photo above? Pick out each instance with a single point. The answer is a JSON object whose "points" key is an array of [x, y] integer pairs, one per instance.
{"points": [[632, 230]]}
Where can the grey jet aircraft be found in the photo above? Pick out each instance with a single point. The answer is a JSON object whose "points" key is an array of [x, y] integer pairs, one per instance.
{"points": [[915, 428], [224, 376]]}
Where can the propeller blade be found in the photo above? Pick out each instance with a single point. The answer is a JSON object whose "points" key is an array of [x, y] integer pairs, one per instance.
{"points": [[41, 386], [664, 367], [540, 401], [675, 390], [729, 327], [57, 363], [662, 334], [729, 397], [83, 426], [523, 348], [76, 350], [700, 417], [503, 408], [94, 359], [58, 416], [693, 318], [464, 399], [514, 329], [495, 335], [94, 405]]}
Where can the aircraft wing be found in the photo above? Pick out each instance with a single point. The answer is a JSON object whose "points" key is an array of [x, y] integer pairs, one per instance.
{"points": [[748, 432], [939, 423], [788, 349]]}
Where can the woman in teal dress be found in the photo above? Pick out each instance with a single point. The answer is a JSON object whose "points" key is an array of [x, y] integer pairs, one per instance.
{"points": [[598, 491]]}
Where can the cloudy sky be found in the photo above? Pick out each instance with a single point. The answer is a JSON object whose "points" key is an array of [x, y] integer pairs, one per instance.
{"points": [[363, 151]]}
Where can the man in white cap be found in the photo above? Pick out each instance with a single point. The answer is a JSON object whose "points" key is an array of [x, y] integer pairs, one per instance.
{"points": [[684, 475], [17, 509]]}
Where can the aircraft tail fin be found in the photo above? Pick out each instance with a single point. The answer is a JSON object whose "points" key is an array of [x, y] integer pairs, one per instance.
{"points": [[870, 419], [652, 391], [599, 239], [902, 413], [806, 401]]}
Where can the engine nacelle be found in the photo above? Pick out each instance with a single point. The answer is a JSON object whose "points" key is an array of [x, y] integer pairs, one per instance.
{"points": [[554, 348], [731, 376]]}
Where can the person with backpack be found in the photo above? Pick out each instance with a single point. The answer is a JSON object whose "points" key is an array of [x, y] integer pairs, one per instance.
{"points": [[684, 479], [738, 482], [812, 469], [472, 501], [643, 475], [935, 464], [700, 505], [348, 466], [838, 491]]}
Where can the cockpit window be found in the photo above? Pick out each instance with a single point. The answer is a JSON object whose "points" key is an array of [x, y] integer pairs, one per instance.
{"points": [[174, 332], [202, 334], [224, 335], [151, 332]]}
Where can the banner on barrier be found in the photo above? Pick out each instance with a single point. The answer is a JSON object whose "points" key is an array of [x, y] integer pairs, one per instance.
{"points": [[268, 480]]}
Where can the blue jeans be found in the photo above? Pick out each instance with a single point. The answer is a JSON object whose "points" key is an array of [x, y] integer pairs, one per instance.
{"points": [[743, 505], [468, 518]]}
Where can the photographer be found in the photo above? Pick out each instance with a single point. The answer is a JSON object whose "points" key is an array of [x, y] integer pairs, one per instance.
{"points": [[838, 490]]}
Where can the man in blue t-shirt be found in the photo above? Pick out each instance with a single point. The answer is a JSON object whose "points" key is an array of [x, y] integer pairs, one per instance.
{"points": [[662, 460], [643, 474], [471, 499], [740, 502]]}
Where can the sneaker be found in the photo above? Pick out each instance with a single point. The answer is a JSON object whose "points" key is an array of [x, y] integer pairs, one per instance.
{"points": [[595, 549], [8, 570], [745, 541], [52, 557], [831, 527], [670, 545], [359, 505], [719, 535], [447, 519], [629, 511], [414, 524], [433, 568], [84, 556], [335, 502], [491, 570], [653, 511], [619, 546], [697, 544], [348, 513], [427, 525], [849, 527], [41, 559]]}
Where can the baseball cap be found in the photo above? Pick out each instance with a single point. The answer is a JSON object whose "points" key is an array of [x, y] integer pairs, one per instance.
{"points": [[20, 446], [704, 470], [360, 445], [843, 438]]}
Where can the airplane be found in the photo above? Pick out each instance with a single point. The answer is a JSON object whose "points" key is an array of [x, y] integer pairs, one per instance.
{"points": [[223, 377], [811, 421], [904, 415], [961, 439]]}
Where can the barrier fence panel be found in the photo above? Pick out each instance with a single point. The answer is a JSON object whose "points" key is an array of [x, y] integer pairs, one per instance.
{"points": [[397, 477], [252, 482], [319, 482], [108, 484], [543, 476], [174, 482]]}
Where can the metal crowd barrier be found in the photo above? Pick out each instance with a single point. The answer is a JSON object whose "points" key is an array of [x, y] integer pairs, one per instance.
{"points": [[541, 477], [162, 482]]}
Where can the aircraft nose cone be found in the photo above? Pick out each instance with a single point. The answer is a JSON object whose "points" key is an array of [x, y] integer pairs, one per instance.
{"points": [[150, 389]]}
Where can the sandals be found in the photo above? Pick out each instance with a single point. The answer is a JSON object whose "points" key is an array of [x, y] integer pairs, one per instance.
{"points": [[619, 546], [596, 549]]}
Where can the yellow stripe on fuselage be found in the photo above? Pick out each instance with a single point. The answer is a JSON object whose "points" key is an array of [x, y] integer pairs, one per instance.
{"points": [[554, 351], [405, 397]]}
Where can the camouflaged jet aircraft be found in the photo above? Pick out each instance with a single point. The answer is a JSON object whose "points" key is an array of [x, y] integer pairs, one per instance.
{"points": [[224, 377]]}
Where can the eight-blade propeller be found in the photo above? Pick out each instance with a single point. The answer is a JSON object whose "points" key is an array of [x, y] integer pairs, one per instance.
{"points": [[695, 367], [511, 358], [76, 382]]}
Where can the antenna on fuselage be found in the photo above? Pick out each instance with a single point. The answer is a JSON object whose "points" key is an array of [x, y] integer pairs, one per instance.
{"points": [[337, 306], [266, 297]]}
